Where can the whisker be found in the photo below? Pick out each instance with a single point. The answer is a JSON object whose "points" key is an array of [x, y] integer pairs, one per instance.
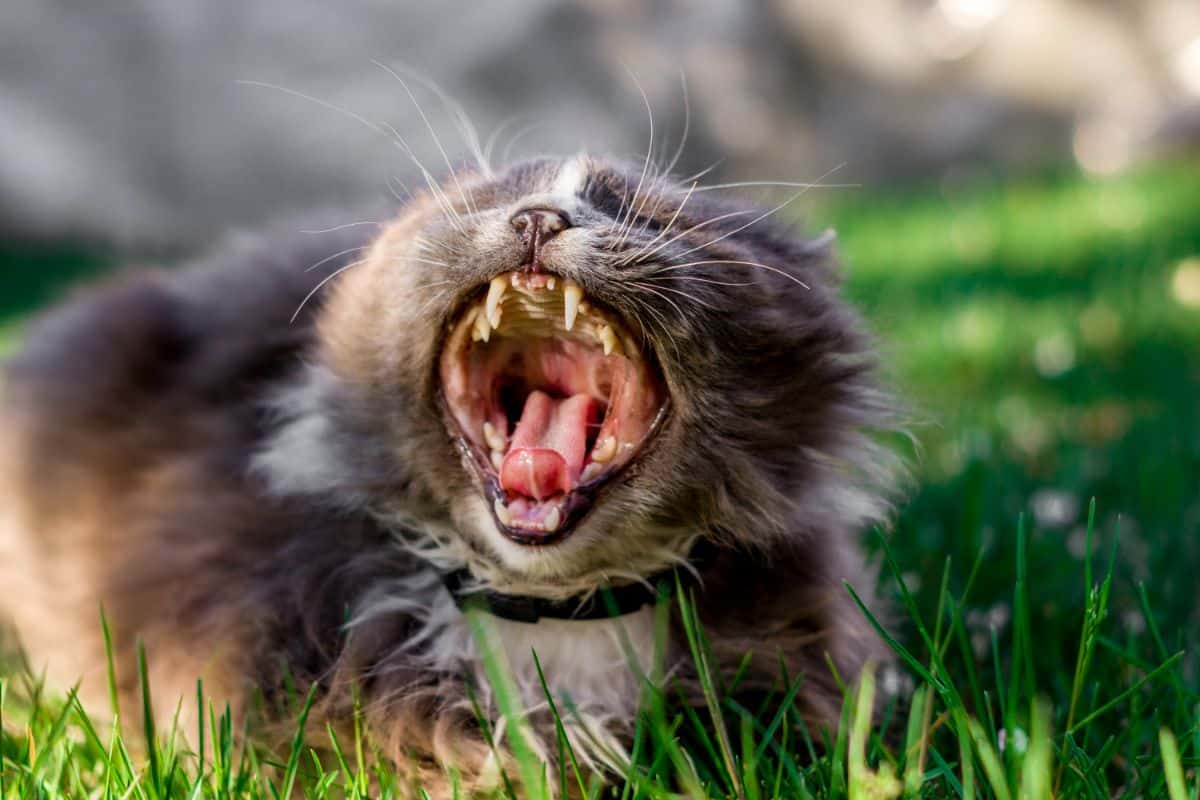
{"points": [[762, 216], [768, 267], [680, 292], [666, 229], [494, 137], [333, 256], [467, 130], [432, 132], [649, 151], [664, 324], [383, 129], [703, 172], [687, 124], [694, 278], [518, 135], [681, 234], [320, 285], [653, 290], [343, 226], [787, 184], [425, 261]]}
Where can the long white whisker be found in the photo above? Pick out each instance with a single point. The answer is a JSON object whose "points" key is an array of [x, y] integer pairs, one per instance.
{"points": [[687, 124], [343, 226], [666, 229], [655, 291], [518, 135], [762, 216], [703, 172], [432, 133], [333, 256], [767, 267], [680, 292], [665, 325], [426, 261], [320, 285], [466, 128], [657, 277], [494, 137], [649, 152], [681, 234], [787, 184], [383, 129]]}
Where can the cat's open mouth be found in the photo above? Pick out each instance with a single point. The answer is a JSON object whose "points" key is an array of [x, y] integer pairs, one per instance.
{"points": [[551, 399]]}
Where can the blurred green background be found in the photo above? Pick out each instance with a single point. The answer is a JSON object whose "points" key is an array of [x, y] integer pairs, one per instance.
{"points": [[1046, 331]]}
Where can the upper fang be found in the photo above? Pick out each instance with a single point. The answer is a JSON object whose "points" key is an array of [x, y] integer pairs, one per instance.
{"points": [[572, 294], [494, 298]]}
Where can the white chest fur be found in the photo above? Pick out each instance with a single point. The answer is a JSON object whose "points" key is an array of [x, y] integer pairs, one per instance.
{"points": [[594, 669]]}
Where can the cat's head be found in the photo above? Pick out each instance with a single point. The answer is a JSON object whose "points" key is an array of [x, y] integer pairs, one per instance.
{"points": [[581, 366]]}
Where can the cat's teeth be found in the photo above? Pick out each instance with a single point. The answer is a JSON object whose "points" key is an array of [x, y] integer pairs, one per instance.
{"points": [[497, 459], [553, 519], [591, 472], [482, 331], [604, 450], [551, 283], [502, 512], [494, 438], [494, 298], [608, 338], [572, 294]]}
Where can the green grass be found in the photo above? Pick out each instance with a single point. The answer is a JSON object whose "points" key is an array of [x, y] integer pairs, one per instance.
{"points": [[1045, 643]]}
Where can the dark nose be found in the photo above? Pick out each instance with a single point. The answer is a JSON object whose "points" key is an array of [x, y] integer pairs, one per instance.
{"points": [[537, 225]]}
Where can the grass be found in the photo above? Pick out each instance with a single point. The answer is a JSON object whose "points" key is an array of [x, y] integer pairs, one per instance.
{"points": [[1049, 330]]}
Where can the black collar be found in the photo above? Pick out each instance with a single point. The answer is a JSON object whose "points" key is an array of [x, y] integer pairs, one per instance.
{"points": [[604, 603]]}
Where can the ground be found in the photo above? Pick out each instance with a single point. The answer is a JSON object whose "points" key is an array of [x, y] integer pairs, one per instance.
{"points": [[1045, 332]]}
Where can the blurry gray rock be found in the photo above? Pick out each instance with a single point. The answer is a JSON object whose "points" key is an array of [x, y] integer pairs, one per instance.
{"points": [[138, 123]]}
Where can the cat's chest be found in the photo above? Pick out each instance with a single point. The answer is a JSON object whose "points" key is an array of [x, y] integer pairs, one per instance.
{"points": [[598, 664]]}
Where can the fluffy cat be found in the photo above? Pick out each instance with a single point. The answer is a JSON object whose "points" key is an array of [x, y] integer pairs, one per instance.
{"points": [[299, 458]]}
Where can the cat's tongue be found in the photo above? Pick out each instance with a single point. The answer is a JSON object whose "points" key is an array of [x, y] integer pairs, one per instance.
{"points": [[547, 450]]}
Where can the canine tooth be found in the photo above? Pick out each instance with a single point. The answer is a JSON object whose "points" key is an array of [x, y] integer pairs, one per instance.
{"points": [[497, 459], [502, 512], [493, 437], [608, 338], [572, 294], [591, 472], [550, 283], [604, 450], [494, 298], [553, 519], [482, 329]]}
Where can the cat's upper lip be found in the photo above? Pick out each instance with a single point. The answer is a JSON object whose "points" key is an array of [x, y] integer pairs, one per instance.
{"points": [[551, 398]]}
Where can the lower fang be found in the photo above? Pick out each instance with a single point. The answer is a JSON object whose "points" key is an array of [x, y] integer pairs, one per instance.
{"points": [[483, 329], [608, 338], [552, 520], [590, 473], [495, 440], [497, 459], [502, 512], [604, 450]]}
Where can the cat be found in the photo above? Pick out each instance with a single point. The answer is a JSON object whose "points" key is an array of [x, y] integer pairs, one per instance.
{"points": [[555, 392]]}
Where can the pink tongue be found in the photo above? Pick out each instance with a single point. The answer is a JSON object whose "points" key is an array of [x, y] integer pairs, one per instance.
{"points": [[548, 446]]}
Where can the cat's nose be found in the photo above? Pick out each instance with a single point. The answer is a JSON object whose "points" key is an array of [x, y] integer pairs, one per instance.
{"points": [[537, 225]]}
